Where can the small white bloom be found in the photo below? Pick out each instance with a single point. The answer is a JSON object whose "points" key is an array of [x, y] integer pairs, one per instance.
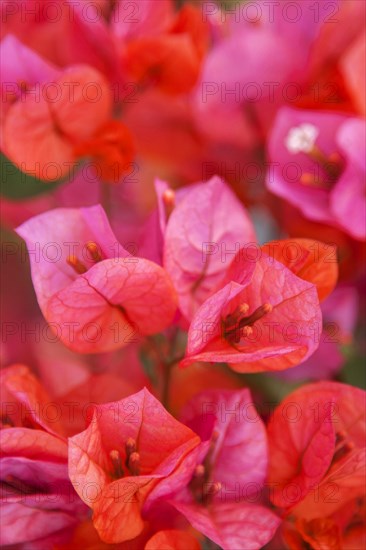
{"points": [[301, 139]]}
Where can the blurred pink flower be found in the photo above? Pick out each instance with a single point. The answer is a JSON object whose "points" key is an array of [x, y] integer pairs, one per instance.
{"points": [[317, 163]]}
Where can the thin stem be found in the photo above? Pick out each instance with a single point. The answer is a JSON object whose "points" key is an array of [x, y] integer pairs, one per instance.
{"points": [[167, 376], [105, 197]]}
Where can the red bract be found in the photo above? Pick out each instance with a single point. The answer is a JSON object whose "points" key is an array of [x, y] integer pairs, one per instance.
{"points": [[37, 500], [353, 67], [95, 296], [201, 239], [163, 49], [317, 164], [310, 260], [72, 34], [343, 530], [339, 320], [317, 449], [172, 540], [130, 448], [230, 474], [265, 318]]}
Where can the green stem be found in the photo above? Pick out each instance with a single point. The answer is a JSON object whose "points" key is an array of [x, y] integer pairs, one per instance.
{"points": [[167, 375]]}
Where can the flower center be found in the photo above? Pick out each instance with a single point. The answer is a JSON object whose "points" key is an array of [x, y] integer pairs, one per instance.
{"points": [[343, 447], [6, 422], [238, 325], [94, 254], [202, 487], [168, 201], [132, 463], [302, 139]]}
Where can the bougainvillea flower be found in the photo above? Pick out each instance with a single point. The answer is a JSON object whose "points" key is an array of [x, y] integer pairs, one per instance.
{"points": [[172, 540], [164, 49], [130, 447], [317, 164], [310, 260], [339, 320], [42, 130], [239, 80], [37, 499], [55, 117], [264, 318], [201, 240], [317, 449], [85, 281], [223, 498]]}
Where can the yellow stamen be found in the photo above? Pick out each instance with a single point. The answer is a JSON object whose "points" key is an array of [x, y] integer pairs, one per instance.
{"points": [[76, 264], [94, 251]]}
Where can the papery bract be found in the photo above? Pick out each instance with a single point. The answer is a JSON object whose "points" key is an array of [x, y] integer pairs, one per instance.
{"points": [[216, 502], [353, 67], [310, 260], [21, 67], [172, 540], [63, 31], [339, 312], [41, 130], [200, 240], [93, 285], [264, 318], [164, 49]]}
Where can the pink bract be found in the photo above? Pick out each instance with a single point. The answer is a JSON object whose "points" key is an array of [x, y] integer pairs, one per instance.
{"points": [[280, 325], [201, 240], [215, 502]]}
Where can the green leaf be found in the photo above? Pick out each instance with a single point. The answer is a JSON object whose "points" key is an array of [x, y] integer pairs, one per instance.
{"points": [[17, 185]]}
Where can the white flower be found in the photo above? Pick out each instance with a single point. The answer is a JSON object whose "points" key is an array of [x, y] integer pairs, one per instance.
{"points": [[301, 138]]}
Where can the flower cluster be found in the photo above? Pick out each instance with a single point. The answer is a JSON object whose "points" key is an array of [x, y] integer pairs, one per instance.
{"points": [[183, 211]]}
